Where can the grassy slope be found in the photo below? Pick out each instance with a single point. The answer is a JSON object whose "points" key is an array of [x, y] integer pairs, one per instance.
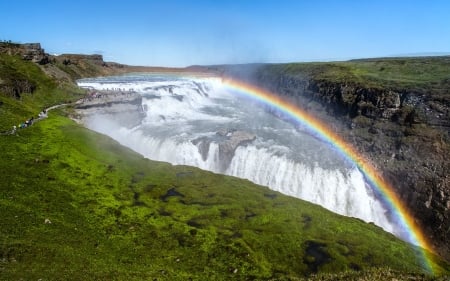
{"points": [[115, 215], [47, 93]]}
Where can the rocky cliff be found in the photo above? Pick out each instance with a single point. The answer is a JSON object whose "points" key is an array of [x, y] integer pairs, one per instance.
{"points": [[402, 125], [29, 51]]}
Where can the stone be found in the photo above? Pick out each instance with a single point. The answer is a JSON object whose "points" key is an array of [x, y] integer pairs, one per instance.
{"points": [[228, 140]]}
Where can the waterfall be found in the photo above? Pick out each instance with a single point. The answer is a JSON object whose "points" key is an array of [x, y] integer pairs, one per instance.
{"points": [[344, 193], [195, 122]]}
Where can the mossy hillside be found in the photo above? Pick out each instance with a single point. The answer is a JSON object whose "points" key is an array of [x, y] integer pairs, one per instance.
{"points": [[44, 91], [115, 215]]}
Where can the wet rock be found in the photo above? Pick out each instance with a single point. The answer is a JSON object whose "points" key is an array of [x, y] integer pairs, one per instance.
{"points": [[234, 139], [228, 140], [203, 146], [172, 192], [315, 255]]}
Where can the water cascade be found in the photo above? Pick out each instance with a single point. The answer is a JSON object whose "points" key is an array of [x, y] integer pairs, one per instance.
{"points": [[197, 122]]}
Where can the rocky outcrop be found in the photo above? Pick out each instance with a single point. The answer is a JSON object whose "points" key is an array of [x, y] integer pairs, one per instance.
{"points": [[228, 140], [404, 132], [29, 51], [33, 52], [67, 59], [65, 68]]}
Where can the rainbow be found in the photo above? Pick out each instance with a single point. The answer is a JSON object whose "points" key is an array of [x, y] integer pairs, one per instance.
{"points": [[414, 233]]}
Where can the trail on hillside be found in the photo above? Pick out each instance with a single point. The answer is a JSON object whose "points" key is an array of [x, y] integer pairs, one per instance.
{"points": [[29, 122]]}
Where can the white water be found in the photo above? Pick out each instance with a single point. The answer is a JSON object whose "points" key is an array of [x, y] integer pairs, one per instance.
{"points": [[283, 157]]}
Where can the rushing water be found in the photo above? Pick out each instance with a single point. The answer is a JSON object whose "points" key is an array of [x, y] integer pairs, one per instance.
{"points": [[181, 111]]}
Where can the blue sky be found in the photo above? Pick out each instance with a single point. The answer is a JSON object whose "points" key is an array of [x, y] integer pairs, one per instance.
{"points": [[182, 33]]}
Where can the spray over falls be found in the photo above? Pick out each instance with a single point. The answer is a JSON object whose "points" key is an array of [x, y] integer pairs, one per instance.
{"points": [[197, 122]]}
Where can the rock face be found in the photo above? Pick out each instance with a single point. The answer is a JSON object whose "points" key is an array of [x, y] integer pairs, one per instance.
{"points": [[29, 51], [34, 53], [228, 140], [406, 133], [68, 59]]}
